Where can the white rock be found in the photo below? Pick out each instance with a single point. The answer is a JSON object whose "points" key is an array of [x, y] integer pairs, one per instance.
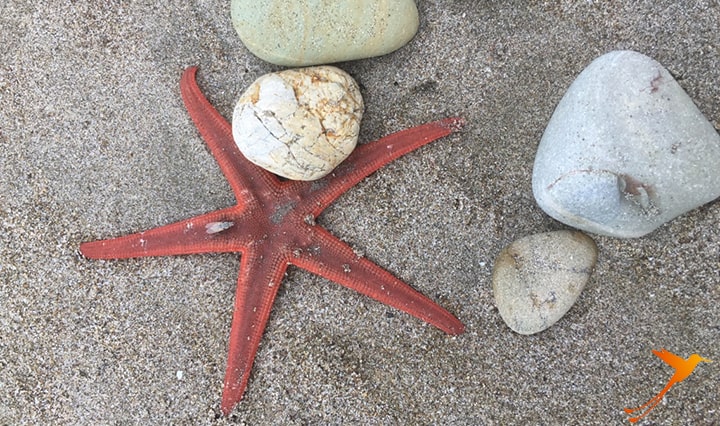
{"points": [[537, 279], [626, 150], [301, 123]]}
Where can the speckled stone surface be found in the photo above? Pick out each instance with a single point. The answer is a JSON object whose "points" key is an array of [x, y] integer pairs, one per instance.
{"points": [[312, 32], [538, 278], [95, 142], [626, 150]]}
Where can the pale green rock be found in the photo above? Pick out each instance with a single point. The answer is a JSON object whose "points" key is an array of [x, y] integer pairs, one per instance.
{"points": [[311, 32]]}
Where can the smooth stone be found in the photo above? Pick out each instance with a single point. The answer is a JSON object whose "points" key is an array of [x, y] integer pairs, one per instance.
{"points": [[300, 123], [538, 278], [311, 32], [626, 150]]}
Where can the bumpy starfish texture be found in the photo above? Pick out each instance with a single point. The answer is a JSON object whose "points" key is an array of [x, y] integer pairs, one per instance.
{"points": [[273, 226]]}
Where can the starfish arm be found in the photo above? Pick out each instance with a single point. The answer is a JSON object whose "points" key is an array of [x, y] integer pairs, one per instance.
{"points": [[256, 290], [207, 233], [371, 156], [336, 261], [243, 176]]}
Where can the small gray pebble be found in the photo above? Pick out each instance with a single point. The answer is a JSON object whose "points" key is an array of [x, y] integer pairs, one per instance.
{"points": [[538, 278]]}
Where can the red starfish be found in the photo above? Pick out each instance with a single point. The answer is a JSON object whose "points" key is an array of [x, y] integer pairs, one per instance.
{"points": [[273, 226]]}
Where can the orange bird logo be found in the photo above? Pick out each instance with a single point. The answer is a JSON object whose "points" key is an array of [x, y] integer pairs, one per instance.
{"points": [[683, 369]]}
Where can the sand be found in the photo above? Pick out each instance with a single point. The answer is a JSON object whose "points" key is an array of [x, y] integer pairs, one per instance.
{"points": [[95, 143]]}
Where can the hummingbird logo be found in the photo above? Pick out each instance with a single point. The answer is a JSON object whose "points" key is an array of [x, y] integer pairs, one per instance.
{"points": [[683, 369]]}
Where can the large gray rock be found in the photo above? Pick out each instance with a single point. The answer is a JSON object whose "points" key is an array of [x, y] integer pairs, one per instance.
{"points": [[626, 150], [538, 278]]}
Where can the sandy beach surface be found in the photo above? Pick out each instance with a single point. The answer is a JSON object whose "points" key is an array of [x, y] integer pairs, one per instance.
{"points": [[95, 143]]}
